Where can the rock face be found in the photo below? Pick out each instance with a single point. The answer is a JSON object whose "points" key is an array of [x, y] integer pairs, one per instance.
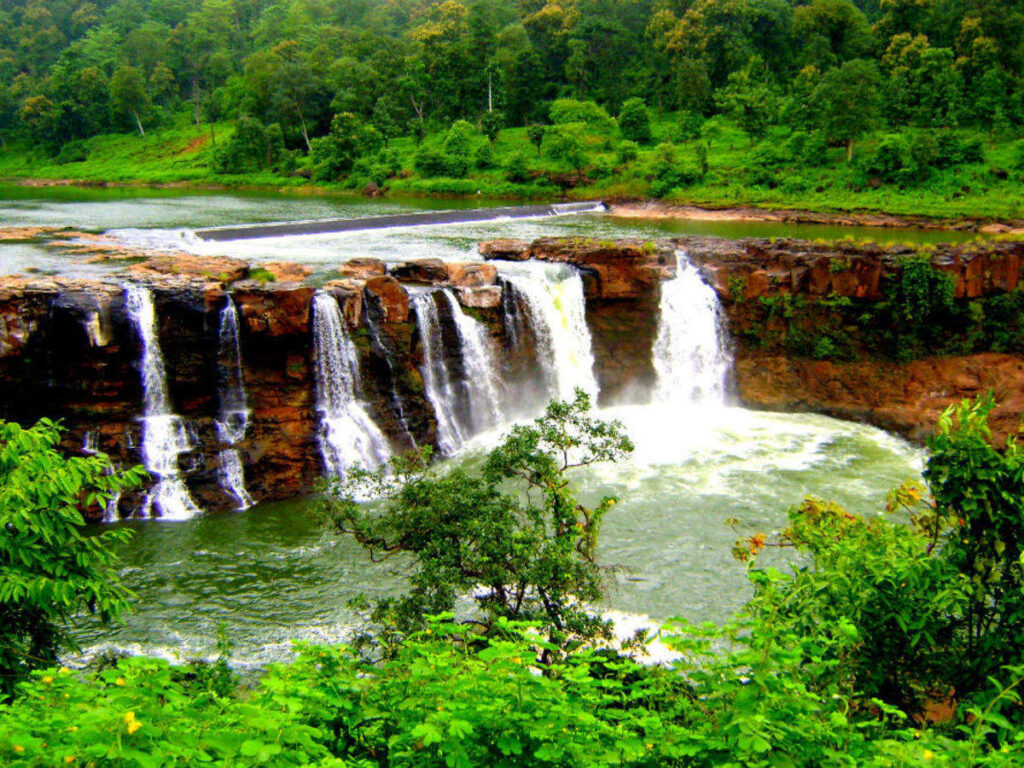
{"points": [[906, 398], [69, 350]]}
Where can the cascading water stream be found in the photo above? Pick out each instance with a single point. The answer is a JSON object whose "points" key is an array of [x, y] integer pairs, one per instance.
{"points": [[348, 436], [480, 367], [233, 417], [437, 380], [553, 296], [465, 402], [691, 355], [164, 435]]}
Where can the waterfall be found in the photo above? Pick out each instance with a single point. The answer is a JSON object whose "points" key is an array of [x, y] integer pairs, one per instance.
{"points": [[480, 367], [437, 380], [690, 352], [233, 416], [164, 436], [463, 388], [553, 295], [347, 435]]}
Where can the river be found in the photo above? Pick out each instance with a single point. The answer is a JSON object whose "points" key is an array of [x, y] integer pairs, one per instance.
{"points": [[271, 574]]}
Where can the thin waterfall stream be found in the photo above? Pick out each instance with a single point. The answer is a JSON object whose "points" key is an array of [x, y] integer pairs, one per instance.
{"points": [[164, 435], [233, 418]]}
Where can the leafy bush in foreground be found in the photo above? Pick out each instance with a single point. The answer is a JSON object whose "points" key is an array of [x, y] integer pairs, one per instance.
{"points": [[49, 568]]}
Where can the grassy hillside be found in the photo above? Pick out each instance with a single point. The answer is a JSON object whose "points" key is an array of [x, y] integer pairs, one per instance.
{"points": [[718, 169]]}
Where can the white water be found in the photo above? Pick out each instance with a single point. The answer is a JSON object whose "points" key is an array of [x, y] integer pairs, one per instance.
{"points": [[691, 354], [233, 418], [437, 380], [164, 436], [465, 402], [348, 436], [480, 368], [554, 300]]}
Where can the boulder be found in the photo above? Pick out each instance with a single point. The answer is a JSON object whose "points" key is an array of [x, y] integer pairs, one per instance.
{"points": [[428, 271], [390, 297], [220, 268], [285, 271], [484, 297], [471, 274], [362, 268], [506, 249], [274, 309]]}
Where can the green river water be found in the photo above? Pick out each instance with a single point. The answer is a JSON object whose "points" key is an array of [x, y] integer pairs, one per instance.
{"points": [[271, 574]]}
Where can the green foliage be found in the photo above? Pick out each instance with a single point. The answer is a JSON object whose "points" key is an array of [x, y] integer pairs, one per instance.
{"points": [[982, 489], [920, 304], [635, 122], [143, 712], [627, 151], [517, 168], [535, 133], [491, 124], [565, 144], [513, 532], [50, 567], [588, 113]]}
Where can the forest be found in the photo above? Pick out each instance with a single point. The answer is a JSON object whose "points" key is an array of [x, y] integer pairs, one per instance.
{"points": [[762, 101]]}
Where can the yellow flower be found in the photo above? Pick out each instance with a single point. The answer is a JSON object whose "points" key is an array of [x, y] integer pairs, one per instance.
{"points": [[69, 759], [129, 716], [65, 671], [48, 679], [18, 748], [133, 726], [928, 754], [73, 728], [119, 681]]}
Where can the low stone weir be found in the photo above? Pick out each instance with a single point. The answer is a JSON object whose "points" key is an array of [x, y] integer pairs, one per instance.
{"points": [[329, 226], [244, 355]]}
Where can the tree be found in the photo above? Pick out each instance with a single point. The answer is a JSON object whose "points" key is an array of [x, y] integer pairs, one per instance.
{"points": [[535, 133], [749, 100], [491, 124], [848, 101], [512, 534], [50, 568], [128, 94], [635, 121]]}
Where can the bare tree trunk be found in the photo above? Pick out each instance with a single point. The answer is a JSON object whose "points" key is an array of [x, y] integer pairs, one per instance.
{"points": [[417, 107], [138, 123], [849, 150], [305, 134]]}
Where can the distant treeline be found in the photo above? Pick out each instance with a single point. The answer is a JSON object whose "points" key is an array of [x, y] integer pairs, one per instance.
{"points": [[70, 69]]}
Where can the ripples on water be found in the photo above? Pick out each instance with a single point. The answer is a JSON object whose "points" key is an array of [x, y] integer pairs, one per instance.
{"points": [[272, 574]]}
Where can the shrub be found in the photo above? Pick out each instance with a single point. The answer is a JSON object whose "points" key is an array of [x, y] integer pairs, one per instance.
{"points": [[429, 162], [50, 568], [635, 121], [483, 157], [516, 168], [627, 151], [535, 133], [568, 111]]}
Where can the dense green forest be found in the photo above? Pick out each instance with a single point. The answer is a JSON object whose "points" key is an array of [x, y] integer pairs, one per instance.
{"points": [[639, 98]]}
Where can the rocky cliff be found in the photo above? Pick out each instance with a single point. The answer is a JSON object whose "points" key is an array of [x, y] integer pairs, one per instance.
{"points": [[824, 328]]}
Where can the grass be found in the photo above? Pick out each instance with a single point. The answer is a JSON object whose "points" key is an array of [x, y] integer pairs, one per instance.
{"points": [[183, 155]]}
